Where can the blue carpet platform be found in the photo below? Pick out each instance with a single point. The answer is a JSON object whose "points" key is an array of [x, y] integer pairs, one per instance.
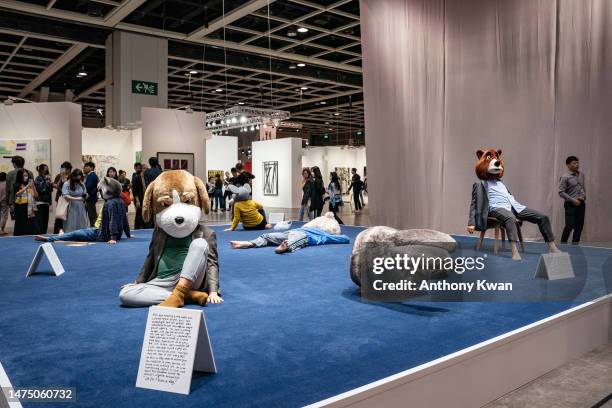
{"points": [[292, 330]]}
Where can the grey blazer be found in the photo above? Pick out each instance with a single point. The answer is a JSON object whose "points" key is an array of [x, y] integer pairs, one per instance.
{"points": [[479, 207], [156, 248]]}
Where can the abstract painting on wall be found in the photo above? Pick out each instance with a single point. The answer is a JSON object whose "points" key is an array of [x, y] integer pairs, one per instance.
{"points": [[270, 170], [34, 152]]}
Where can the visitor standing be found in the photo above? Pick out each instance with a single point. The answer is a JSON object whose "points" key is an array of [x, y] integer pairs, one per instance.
{"points": [[572, 189], [91, 185], [243, 177], [307, 185], [58, 183], [18, 163], [318, 191], [112, 173], [125, 182], [74, 191], [25, 204], [334, 193], [219, 192], [151, 174], [138, 194], [4, 209], [44, 191], [356, 186]]}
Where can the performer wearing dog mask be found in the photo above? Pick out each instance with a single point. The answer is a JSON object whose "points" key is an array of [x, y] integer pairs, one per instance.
{"points": [[182, 264]]}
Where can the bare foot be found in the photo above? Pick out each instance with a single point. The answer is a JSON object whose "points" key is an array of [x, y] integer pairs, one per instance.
{"points": [[282, 248], [40, 238], [241, 244], [552, 248], [61, 232], [515, 253]]}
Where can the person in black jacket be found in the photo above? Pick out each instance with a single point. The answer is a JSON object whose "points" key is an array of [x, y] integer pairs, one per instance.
{"points": [[318, 192], [307, 185], [356, 186], [44, 188], [138, 194]]}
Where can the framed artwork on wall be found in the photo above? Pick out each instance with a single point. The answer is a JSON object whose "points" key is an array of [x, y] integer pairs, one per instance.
{"points": [[270, 171], [176, 161]]}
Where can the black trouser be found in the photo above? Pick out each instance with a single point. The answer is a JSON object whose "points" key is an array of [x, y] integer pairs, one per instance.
{"points": [[42, 218], [261, 225], [92, 214], [574, 220], [138, 220], [357, 198], [508, 218], [58, 225], [24, 225], [335, 209]]}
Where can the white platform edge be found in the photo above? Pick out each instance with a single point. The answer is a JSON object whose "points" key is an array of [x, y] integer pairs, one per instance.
{"points": [[479, 374], [5, 382]]}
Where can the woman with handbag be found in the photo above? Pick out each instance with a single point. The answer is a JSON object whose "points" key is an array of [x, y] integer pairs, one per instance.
{"points": [[25, 204], [74, 191], [334, 195], [61, 204]]}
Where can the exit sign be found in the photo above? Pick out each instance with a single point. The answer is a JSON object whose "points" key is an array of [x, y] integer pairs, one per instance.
{"points": [[144, 87]]}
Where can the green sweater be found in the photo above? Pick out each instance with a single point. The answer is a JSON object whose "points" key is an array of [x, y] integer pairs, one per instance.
{"points": [[173, 256]]}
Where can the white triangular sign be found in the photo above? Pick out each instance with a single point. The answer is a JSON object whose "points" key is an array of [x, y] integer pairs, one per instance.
{"points": [[175, 344], [47, 250]]}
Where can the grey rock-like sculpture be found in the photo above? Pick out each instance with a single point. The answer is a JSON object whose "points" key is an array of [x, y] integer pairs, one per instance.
{"points": [[389, 242]]}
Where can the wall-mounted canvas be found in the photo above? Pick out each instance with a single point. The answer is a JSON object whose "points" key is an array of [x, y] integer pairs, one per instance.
{"points": [[344, 175], [176, 161], [102, 162], [34, 152], [270, 171]]}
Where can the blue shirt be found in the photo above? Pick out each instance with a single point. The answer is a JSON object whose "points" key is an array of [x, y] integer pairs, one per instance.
{"points": [[319, 237], [500, 197]]}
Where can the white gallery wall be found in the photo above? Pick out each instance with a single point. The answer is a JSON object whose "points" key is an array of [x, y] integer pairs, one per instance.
{"points": [[174, 131], [221, 153], [327, 158], [110, 142], [288, 153], [58, 121]]}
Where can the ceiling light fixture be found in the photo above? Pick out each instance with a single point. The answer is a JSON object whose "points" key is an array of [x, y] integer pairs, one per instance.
{"points": [[82, 72], [323, 102], [240, 103], [336, 114], [301, 64], [292, 66], [193, 72], [291, 33], [302, 30], [304, 88], [218, 90]]}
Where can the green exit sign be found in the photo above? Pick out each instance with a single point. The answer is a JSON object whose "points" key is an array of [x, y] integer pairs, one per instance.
{"points": [[144, 87]]}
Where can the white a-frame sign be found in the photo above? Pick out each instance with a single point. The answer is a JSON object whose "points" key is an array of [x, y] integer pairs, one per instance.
{"points": [[47, 250], [176, 343]]}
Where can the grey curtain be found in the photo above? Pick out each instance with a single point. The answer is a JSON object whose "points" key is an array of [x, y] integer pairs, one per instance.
{"points": [[444, 78]]}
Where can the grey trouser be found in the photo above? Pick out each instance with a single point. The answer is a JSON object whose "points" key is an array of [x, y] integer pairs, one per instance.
{"points": [[4, 212], [157, 290], [297, 239], [509, 220]]}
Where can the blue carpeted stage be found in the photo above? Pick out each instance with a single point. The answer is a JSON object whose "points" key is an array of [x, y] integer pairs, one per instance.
{"points": [[292, 330]]}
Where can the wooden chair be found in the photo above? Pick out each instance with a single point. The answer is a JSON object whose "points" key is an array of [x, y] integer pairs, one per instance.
{"points": [[499, 229]]}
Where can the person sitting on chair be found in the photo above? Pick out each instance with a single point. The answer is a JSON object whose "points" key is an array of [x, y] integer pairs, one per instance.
{"points": [[491, 198]]}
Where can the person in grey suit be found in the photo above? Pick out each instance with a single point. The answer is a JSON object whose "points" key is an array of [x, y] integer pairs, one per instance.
{"points": [[491, 198]]}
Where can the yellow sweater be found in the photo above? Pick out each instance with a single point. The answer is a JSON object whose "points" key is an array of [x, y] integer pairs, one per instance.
{"points": [[247, 212]]}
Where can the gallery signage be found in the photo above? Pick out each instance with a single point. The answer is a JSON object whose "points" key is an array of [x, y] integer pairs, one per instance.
{"points": [[175, 344], [144, 87]]}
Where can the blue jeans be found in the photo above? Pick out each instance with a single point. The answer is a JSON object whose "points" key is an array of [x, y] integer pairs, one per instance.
{"points": [[305, 209], [296, 239], [85, 235], [219, 199]]}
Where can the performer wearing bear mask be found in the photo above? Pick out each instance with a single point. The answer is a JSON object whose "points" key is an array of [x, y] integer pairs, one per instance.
{"points": [[182, 264], [491, 198]]}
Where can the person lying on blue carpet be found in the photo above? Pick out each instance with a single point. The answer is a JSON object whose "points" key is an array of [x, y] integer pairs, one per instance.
{"points": [[320, 231], [182, 264], [112, 221]]}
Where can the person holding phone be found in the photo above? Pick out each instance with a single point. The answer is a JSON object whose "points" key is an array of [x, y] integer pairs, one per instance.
{"points": [[25, 204]]}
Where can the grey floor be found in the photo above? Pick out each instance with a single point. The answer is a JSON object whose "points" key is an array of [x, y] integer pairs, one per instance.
{"points": [[581, 383]]}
